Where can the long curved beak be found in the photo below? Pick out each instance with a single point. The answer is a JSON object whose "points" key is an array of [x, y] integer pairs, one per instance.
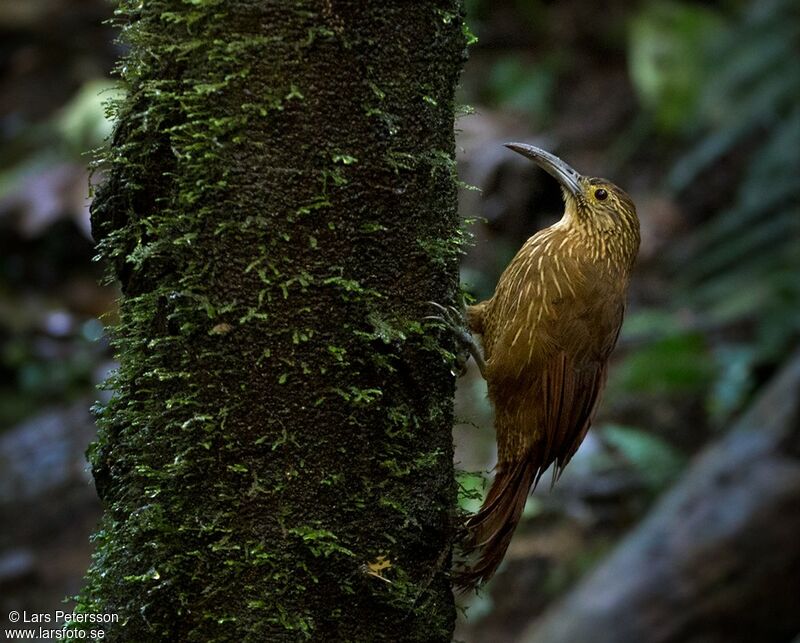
{"points": [[551, 164]]}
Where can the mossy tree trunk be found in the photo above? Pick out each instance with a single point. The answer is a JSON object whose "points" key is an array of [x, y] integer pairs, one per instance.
{"points": [[276, 462]]}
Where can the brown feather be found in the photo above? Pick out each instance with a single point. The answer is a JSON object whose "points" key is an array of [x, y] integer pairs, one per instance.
{"points": [[490, 529], [547, 333]]}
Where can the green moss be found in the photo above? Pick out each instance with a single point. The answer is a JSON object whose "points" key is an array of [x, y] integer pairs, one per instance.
{"points": [[320, 542]]}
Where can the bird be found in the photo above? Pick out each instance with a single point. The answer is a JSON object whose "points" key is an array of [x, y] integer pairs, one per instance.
{"points": [[546, 335]]}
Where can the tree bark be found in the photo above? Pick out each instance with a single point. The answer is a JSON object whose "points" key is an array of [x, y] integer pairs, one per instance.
{"points": [[280, 204], [717, 561]]}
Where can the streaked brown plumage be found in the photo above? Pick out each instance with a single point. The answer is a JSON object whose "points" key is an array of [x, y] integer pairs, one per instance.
{"points": [[547, 333]]}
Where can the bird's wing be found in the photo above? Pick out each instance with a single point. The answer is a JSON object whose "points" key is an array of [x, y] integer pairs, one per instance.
{"points": [[572, 379], [546, 388], [569, 395]]}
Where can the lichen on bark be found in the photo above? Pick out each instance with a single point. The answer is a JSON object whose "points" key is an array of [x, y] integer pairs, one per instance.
{"points": [[276, 460]]}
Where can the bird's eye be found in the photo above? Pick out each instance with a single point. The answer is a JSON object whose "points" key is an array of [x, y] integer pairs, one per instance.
{"points": [[600, 194]]}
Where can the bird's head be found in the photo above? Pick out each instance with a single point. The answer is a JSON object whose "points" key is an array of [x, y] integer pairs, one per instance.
{"points": [[594, 203]]}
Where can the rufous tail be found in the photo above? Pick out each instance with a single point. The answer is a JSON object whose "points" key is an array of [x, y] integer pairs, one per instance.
{"points": [[489, 531]]}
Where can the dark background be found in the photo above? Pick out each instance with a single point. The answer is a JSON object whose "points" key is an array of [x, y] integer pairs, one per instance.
{"points": [[692, 107]]}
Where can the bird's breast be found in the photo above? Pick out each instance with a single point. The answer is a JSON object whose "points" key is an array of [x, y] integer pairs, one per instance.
{"points": [[550, 299]]}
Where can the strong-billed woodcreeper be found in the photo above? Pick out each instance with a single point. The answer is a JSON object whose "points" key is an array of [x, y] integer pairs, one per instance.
{"points": [[547, 333]]}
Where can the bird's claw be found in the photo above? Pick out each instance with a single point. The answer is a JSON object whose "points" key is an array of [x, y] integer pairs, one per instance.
{"points": [[453, 320]]}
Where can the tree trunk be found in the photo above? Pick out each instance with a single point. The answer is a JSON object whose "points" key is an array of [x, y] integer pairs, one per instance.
{"points": [[717, 561], [276, 462]]}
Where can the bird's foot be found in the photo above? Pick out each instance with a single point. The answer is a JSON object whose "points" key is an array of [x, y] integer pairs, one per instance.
{"points": [[453, 320]]}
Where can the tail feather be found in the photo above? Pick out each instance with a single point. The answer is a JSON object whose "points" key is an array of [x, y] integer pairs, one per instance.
{"points": [[497, 494], [489, 531]]}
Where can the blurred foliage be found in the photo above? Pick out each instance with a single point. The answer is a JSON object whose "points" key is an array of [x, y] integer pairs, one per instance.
{"points": [[652, 458], [84, 123], [471, 488], [68, 135], [728, 87], [668, 42], [516, 83], [561, 577], [49, 348], [47, 368], [674, 363], [522, 86], [529, 12], [745, 262]]}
